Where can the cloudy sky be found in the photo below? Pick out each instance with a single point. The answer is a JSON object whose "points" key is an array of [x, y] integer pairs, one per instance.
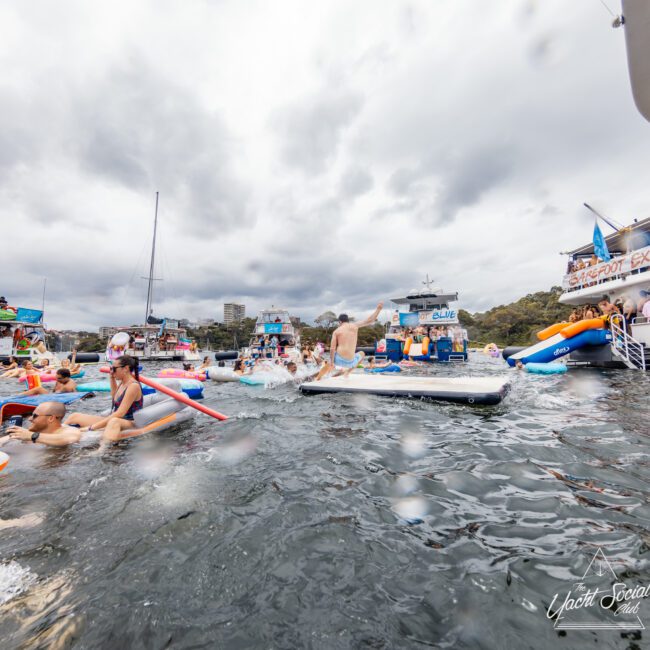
{"points": [[309, 155]]}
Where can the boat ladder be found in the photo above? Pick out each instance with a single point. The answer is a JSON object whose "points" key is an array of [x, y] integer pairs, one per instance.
{"points": [[630, 351], [457, 358]]}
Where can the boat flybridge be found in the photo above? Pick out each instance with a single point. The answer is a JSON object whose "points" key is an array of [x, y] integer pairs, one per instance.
{"points": [[625, 278], [274, 324], [424, 327], [22, 335]]}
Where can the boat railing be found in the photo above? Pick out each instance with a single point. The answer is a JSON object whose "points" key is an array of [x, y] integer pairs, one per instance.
{"points": [[625, 346]]}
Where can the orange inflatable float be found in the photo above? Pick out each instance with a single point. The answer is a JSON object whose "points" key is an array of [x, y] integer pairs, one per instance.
{"points": [[567, 330]]}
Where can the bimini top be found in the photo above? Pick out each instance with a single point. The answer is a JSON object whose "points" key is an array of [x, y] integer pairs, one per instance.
{"points": [[630, 238], [429, 297]]}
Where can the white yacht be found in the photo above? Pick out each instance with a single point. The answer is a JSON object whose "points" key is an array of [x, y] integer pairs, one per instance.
{"points": [[274, 323], [625, 277], [425, 327]]}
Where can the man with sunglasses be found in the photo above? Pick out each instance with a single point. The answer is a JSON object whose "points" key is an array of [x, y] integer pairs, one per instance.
{"points": [[47, 427]]}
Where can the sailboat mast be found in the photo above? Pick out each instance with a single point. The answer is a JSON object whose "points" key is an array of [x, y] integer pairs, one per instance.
{"points": [[151, 267]]}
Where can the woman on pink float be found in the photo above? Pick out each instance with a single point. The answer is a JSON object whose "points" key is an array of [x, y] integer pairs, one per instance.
{"points": [[127, 399]]}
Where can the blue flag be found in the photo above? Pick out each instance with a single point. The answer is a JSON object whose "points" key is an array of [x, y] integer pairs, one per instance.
{"points": [[600, 246]]}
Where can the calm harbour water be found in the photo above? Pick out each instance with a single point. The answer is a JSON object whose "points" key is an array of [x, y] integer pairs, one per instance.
{"points": [[334, 521]]}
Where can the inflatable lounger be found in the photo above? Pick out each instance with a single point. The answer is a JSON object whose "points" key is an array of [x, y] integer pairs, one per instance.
{"points": [[393, 367], [51, 376], [222, 374], [266, 379], [193, 388], [158, 412], [545, 368], [464, 390], [23, 404]]}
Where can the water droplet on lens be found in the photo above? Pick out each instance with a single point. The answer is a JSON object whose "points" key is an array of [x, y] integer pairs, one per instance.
{"points": [[411, 509], [413, 445]]}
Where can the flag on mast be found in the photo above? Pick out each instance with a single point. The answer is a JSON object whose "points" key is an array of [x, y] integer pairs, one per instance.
{"points": [[600, 245]]}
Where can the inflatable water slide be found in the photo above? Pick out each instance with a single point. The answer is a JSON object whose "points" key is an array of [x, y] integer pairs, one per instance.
{"points": [[563, 338]]}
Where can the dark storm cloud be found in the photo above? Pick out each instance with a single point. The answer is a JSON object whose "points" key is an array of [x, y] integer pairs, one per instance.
{"points": [[355, 182], [468, 178], [310, 131], [144, 132]]}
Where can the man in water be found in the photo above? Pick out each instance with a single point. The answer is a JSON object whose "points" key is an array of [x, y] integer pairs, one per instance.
{"points": [[47, 427], [343, 355], [64, 384]]}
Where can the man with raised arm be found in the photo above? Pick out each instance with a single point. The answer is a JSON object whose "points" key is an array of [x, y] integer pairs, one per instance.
{"points": [[343, 354], [47, 427]]}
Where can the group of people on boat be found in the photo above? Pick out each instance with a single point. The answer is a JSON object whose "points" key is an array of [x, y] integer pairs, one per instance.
{"points": [[626, 307]]}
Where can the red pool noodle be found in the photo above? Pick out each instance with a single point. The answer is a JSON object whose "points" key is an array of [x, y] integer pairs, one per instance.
{"points": [[177, 396]]}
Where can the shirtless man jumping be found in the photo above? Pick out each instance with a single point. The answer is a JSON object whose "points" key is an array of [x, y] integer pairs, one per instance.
{"points": [[343, 355]]}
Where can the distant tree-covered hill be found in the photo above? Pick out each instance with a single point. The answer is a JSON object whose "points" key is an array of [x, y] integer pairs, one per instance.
{"points": [[518, 322]]}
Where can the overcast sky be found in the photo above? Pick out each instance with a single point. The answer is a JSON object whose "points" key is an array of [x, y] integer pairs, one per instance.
{"points": [[308, 155]]}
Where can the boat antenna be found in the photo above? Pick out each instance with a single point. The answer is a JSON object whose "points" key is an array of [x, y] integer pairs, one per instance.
{"points": [[605, 219], [43, 302], [151, 267], [427, 283]]}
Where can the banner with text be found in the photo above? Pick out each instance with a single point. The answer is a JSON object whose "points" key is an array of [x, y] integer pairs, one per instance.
{"points": [[605, 270], [428, 317]]}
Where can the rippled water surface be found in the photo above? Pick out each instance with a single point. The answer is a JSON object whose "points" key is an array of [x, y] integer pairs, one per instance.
{"points": [[333, 521]]}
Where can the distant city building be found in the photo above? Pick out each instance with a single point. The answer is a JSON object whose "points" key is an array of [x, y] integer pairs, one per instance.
{"points": [[205, 322], [106, 332], [233, 312]]}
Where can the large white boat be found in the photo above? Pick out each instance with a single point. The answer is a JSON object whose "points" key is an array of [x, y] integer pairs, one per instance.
{"points": [[274, 324], [22, 334], [425, 327], [625, 278]]}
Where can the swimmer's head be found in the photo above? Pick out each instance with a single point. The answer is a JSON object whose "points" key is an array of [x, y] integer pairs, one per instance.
{"points": [[292, 367], [344, 318], [519, 365]]}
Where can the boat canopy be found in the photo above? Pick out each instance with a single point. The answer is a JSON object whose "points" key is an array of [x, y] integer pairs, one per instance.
{"points": [[426, 298], [630, 238]]}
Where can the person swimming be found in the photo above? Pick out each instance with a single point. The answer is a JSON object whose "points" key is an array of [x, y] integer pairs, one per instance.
{"points": [[127, 399], [46, 428], [64, 384]]}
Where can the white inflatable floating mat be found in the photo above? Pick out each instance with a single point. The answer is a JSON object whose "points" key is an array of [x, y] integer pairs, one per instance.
{"points": [[465, 390]]}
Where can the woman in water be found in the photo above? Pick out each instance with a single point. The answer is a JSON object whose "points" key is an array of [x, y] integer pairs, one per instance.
{"points": [[127, 399], [205, 364], [8, 366]]}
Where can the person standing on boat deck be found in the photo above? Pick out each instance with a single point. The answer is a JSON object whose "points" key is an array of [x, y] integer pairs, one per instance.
{"points": [[46, 428], [343, 354], [127, 399]]}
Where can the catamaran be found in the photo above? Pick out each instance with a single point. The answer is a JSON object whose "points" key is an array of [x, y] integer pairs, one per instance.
{"points": [[425, 328]]}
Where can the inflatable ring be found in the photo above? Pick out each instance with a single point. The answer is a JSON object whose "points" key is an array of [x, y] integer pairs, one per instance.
{"points": [[4, 460]]}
